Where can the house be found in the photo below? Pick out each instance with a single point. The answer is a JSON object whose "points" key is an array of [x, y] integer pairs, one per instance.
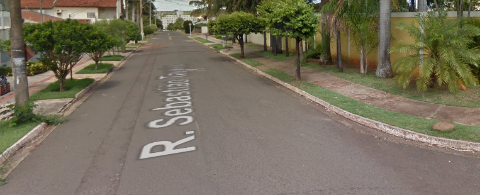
{"points": [[84, 10], [169, 19]]}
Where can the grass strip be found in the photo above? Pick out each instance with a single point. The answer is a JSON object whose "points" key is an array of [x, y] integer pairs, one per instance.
{"points": [[420, 125], [90, 69], [250, 44], [202, 40], [72, 87], [246, 60], [219, 47], [133, 45], [279, 57], [112, 58], [10, 135], [439, 95]]}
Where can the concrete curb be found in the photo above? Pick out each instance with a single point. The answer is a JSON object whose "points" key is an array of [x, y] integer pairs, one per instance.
{"points": [[9, 152], [35, 132], [396, 131]]}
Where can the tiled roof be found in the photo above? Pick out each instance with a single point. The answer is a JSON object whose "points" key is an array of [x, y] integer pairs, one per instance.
{"points": [[87, 3], [36, 17], [35, 4]]}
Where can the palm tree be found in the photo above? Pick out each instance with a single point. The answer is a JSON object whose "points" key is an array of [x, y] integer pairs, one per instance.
{"points": [[384, 69], [446, 57]]}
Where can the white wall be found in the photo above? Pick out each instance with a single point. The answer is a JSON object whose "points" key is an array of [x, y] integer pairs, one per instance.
{"points": [[258, 38], [75, 12]]}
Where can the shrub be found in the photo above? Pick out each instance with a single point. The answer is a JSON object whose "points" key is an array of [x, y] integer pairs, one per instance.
{"points": [[446, 56], [7, 71], [34, 68], [147, 30]]}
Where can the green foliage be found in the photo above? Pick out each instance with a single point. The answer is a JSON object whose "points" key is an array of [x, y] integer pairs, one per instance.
{"points": [[5, 45], [24, 115], [7, 71], [446, 56], [34, 68], [60, 43], [98, 43], [186, 27], [52, 91], [475, 44], [238, 24], [96, 68], [147, 30], [290, 18], [178, 24]]}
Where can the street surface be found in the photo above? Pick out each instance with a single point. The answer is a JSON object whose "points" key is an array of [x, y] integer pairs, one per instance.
{"points": [[179, 119]]}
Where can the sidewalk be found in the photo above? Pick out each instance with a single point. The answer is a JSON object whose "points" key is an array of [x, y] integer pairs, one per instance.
{"points": [[40, 81], [374, 97]]}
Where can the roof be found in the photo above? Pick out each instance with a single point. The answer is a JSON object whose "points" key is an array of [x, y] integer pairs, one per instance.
{"points": [[36, 17], [35, 4], [86, 3]]}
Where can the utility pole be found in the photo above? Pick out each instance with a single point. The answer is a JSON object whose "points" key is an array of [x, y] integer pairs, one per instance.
{"points": [[41, 12], [20, 82], [141, 18]]}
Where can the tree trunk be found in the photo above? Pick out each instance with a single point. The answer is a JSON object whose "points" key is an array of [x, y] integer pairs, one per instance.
{"points": [[384, 69], [339, 51], [469, 8], [274, 45], [287, 53], [326, 55], [62, 83], [264, 41], [18, 54], [242, 45], [412, 5], [460, 12], [362, 70], [297, 61], [122, 10], [246, 38], [279, 44]]}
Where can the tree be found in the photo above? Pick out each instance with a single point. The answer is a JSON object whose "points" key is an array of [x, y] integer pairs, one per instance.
{"points": [[186, 26], [290, 18], [446, 54], [362, 20], [384, 69], [335, 12], [98, 42], [60, 43], [238, 24]]}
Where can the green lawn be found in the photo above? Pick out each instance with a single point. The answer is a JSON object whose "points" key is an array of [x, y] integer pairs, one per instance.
{"points": [[279, 57], [72, 87], [10, 135], [250, 44], [219, 47], [202, 40], [112, 58], [246, 60], [420, 125], [90, 69], [468, 98]]}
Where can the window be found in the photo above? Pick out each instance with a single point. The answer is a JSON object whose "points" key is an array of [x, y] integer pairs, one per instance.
{"points": [[90, 14]]}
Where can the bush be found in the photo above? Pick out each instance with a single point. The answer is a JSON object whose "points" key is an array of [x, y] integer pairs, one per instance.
{"points": [[7, 71], [36, 68], [154, 28], [147, 30]]}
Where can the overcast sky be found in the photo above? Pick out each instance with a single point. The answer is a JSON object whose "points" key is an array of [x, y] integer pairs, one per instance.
{"points": [[170, 5]]}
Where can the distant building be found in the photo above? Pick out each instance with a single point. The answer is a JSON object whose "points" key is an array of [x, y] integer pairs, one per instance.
{"points": [[170, 19]]}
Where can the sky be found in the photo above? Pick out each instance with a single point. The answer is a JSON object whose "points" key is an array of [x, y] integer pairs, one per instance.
{"points": [[170, 5]]}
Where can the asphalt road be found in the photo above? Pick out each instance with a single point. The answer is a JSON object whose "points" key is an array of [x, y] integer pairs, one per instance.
{"points": [[180, 119]]}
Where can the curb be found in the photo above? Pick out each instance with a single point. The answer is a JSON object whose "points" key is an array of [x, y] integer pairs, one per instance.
{"points": [[9, 152], [36, 131], [386, 128]]}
